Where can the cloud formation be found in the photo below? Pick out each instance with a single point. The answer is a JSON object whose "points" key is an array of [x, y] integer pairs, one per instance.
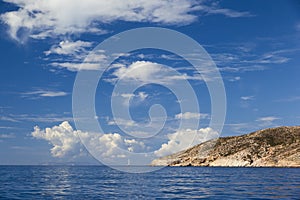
{"points": [[36, 117], [67, 47], [67, 142], [151, 72], [289, 99], [64, 139], [247, 98], [72, 66], [71, 54], [43, 93], [7, 136], [122, 122], [191, 115], [139, 97], [267, 120], [184, 139], [40, 19]]}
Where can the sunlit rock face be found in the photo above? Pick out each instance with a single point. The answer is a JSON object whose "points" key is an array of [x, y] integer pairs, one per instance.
{"points": [[274, 147]]}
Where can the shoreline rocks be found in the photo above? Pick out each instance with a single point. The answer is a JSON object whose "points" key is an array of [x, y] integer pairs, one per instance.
{"points": [[273, 147]]}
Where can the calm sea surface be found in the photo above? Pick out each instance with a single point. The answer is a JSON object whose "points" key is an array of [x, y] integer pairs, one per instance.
{"points": [[99, 182]]}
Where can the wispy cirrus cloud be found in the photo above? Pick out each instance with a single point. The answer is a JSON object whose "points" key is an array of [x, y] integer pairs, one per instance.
{"points": [[72, 66], [7, 136], [122, 122], [216, 9], [67, 47], [71, 54], [8, 119], [7, 127], [297, 26], [239, 128], [238, 58], [247, 61], [43, 93], [253, 125], [247, 53], [247, 98], [36, 118], [289, 99], [266, 121], [242, 69], [246, 101], [138, 97], [192, 115]]}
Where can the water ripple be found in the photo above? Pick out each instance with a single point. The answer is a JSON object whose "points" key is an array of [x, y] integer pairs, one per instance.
{"points": [[99, 182]]}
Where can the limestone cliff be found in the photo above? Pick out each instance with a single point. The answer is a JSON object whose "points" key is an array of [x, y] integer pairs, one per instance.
{"points": [[274, 147]]}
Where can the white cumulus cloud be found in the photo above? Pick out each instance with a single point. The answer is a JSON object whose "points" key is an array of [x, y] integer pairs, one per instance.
{"points": [[66, 141], [151, 72], [63, 139], [40, 19], [51, 18], [184, 139]]}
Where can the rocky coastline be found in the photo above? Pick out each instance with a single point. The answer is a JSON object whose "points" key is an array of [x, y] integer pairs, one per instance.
{"points": [[273, 147]]}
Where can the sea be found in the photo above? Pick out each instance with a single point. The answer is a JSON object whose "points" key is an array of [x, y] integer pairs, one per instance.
{"points": [[101, 182]]}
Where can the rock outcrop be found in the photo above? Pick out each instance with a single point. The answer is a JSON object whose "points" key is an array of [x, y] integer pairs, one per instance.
{"points": [[274, 147]]}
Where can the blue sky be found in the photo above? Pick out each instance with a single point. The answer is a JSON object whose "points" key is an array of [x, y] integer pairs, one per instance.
{"points": [[255, 45]]}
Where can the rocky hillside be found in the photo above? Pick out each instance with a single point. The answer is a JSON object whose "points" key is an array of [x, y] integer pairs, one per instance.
{"points": [[274, 147]]}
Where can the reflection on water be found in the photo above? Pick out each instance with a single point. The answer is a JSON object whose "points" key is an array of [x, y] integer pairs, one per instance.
{"points": [[90, 182], [57, 182]]}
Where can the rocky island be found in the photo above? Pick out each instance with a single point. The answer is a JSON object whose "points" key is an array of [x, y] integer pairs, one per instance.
{"points": [[273, 147]]}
